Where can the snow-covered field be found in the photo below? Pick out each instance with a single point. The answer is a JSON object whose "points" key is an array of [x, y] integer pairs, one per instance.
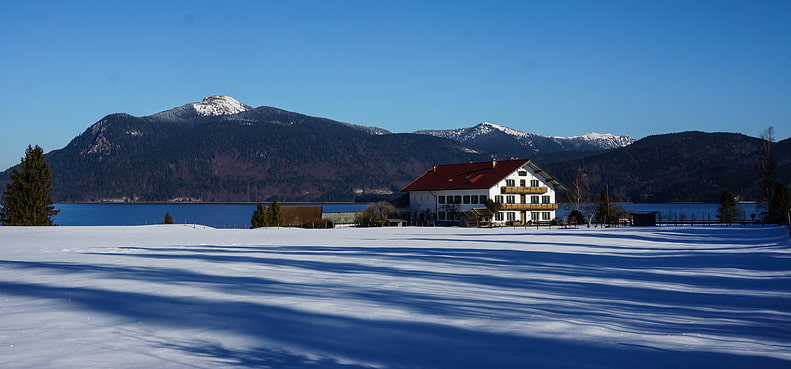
{"points": [[184, 297]]}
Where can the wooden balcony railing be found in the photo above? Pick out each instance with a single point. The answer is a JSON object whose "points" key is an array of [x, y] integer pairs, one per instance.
{"points": [[529, 207], [521, 190]]}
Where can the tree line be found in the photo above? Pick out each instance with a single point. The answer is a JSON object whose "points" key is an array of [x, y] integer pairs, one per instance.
{"points": [[773, 206]]}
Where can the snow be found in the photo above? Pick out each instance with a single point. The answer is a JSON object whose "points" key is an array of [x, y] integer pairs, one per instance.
{"points": [[603, 140], [195, 297], [219, 105], [509, 131], [527, 140]]}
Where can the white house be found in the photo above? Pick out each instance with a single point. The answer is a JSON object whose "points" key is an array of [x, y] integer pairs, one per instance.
{"points": [[526, 192]]}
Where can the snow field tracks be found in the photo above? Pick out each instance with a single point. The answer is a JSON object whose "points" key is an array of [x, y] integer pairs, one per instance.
{"points": [[179, 296]]}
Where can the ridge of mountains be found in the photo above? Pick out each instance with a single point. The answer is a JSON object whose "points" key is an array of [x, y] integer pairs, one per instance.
{"points": [[688, 166], [494, 138], [220, 150]]}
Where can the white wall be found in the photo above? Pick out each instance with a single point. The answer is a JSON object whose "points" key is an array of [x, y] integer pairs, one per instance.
{"points": [[421, 200]]}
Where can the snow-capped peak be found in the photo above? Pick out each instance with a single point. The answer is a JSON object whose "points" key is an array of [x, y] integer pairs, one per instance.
{"points": [[504, 129], [591, 136], [602, 139], [219, 105]]}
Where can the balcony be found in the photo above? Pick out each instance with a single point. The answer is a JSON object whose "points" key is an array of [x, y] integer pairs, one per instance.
{"points": [[523, 190], [529, 207]]}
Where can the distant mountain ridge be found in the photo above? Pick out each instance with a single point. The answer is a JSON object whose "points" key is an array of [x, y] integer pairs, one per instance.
{"points": [[220, 150], [678, 167], [491, 137]]}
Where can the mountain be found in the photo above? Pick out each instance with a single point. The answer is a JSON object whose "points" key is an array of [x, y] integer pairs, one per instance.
{"points": [[221, 150], [494, 138], [677, 167]]}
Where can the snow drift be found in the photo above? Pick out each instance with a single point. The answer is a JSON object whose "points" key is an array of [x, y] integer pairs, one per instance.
{"points": [[196, 297]]}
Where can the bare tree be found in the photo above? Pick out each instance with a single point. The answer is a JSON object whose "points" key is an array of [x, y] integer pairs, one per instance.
{"points": [[767, 169], [579, 198], [579, 194], [452, 209]]}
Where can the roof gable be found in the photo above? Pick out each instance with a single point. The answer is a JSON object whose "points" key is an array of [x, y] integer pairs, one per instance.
{"points": [[465, 176]]}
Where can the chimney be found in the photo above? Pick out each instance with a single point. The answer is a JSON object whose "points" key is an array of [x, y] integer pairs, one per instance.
{"points": [[494, 162]]}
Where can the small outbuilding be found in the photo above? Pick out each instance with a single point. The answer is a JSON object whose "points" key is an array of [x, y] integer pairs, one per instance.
{"points": [[295, 216], [644, 219], [476, 217]]}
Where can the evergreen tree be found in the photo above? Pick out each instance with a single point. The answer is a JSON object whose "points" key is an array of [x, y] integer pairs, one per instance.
{"points": [[728, 212], [602, 208], [27, 200], [607, 212], [277, 219], [576, 217], [168, 219], [780, 205], [259, 216]]}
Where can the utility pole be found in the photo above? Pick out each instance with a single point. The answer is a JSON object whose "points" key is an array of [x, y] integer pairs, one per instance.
{"points": [[607, 203]]}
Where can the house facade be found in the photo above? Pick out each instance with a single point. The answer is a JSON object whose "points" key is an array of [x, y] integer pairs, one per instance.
{"points": [[524, 191]]}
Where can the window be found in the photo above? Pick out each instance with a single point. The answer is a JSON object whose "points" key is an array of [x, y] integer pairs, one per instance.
{"points": [[510, 199], [466, 199], [483, 199], [441, 215], [534, 215], [545, 215], [511, 215], [441, 199], [498, 199], [510, 182], [457, 199], [474, 199], [523, 173], [498, 216], [534, 199], [545, 199], [533, 183]]}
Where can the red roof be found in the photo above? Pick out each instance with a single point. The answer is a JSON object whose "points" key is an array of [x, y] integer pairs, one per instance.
{"points": [[465, 176]]}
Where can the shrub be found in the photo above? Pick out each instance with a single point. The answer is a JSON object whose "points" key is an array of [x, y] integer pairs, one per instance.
{"points": [[168, 219], [376, 215]]}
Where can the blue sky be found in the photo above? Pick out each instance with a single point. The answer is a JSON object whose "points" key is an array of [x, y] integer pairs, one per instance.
{"points": [[558, 68]]}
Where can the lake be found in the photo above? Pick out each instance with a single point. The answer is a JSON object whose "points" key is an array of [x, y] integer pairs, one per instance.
{"points": [[238, 215], [214, 215]]}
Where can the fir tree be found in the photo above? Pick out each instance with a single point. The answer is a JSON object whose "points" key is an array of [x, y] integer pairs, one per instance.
{"points": [[27, 200], [267, 216], [168, 219], [603, 208], [259, 216], [607, 212], [780, 205], [277, 219], [728, 212]]}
